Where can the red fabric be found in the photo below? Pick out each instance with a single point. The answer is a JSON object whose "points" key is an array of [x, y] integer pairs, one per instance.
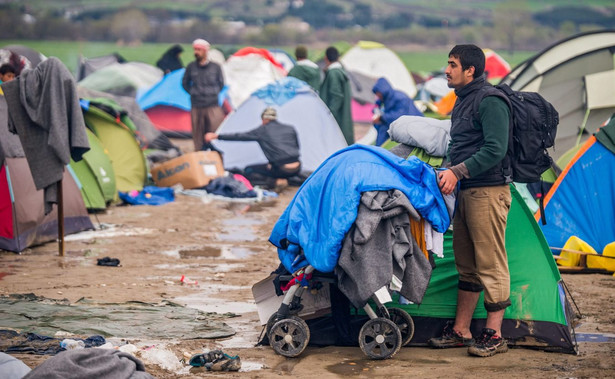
{"points": [[6, 207], [263, 52], [495, 66], [294, 281], [170, 119], [245, 181]]}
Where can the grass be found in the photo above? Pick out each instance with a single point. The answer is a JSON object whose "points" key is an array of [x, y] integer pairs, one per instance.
{"points": [[69, 53]]}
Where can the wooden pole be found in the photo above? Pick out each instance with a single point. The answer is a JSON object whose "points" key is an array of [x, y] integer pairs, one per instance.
{"points": [[580, 252], [61, 246]]}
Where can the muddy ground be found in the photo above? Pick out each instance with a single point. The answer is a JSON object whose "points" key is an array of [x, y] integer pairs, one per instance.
{"points": [[223, 247]]}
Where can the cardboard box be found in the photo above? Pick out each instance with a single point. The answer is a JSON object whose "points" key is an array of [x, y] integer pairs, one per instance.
{"points": [[267, 302], [191, 170]]}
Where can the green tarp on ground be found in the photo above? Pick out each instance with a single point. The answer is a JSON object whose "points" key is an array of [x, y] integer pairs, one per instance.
{"points": [[166, 320]]}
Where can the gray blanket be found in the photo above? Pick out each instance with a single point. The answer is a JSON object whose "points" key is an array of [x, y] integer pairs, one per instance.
{"points": [[44, 111], [90, 363], [380, 245]]}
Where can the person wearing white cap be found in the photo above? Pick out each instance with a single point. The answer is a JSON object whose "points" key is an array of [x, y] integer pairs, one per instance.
{"points": [[203, 80], [279, 143]]}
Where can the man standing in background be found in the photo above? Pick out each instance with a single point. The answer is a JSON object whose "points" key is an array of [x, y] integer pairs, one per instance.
{"points": [[305, 69], [203, 80], [335, 92]]}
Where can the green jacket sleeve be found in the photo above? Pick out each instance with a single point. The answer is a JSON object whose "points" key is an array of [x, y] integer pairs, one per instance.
{"points": [[494, 120]]}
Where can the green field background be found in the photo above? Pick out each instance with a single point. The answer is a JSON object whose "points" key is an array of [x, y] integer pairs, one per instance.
{"points": [[69, 53]]}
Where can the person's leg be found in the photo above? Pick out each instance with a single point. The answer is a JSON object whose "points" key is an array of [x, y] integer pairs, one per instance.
{"points": [[469, 287], [492, 264], [198, 127], [213, 118], [488, 229], [466, 304]]}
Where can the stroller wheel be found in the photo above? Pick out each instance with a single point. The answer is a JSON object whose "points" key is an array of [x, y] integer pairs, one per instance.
{"points": [[272, 320], [380, 338], [404, 322], [289, 336]]}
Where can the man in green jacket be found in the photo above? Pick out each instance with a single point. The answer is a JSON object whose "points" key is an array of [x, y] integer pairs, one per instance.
{"points": [[335, 92], [305, 69], [478, 162]]}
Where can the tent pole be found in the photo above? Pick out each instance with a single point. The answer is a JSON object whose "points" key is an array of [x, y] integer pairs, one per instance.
{"points": [[582, 127], [61, 246]]}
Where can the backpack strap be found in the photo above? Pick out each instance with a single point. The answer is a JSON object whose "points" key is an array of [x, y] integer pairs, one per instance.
{"points": [[490, 90]]}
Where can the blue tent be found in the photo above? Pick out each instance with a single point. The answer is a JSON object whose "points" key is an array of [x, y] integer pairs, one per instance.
{"points": [[298, 105], [168, 91], [581, 202], [168, 105]]}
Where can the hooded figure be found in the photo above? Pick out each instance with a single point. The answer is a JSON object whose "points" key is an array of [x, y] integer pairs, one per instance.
{"points": [[391, 105], [170, 60]]}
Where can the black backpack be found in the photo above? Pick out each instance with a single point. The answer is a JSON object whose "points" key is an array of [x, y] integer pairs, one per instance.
{"points": [[534, 125]]}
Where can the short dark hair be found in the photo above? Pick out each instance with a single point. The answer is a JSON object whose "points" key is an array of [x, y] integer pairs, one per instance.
{"points": [[7, 67], [332, 54], [301, 52], [470, 56]]}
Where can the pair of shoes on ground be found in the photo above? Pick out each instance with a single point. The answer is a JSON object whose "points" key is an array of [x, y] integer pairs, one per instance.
{"points": [[486, 345], [216, 360]]}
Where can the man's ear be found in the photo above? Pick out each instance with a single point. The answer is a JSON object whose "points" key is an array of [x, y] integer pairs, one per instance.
{"points": [[469, 72]]}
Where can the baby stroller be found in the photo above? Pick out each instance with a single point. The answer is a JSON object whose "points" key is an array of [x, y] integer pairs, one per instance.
{"points": [[381, 337]]}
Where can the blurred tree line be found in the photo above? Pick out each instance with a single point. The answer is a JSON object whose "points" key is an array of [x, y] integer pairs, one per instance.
{"points": [[510, 25]]}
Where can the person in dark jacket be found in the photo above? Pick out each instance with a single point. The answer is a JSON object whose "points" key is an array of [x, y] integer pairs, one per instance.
{"points": [[391, 105], [170, 60], [477, 155], [203, 80], [278, 141]]}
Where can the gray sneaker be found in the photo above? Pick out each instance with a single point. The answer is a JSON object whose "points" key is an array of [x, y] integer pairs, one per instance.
{"points": [[450, 338], [488, 344]]}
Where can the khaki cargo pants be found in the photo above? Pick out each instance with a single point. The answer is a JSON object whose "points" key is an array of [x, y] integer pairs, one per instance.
{"points": [[479, 228]]}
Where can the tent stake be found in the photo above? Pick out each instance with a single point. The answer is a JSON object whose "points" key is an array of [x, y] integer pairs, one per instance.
{"points": [[61, 246]]}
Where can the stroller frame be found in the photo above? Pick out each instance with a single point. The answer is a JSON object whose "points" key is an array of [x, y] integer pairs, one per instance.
{"points": [[381, 337]]}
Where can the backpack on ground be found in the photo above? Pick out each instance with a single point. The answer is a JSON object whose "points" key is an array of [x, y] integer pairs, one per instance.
{"points": [[534, 125]]}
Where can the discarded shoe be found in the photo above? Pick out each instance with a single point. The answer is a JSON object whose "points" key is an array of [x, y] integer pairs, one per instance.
{"points": [[216, 360], [488, 344], [106, 261]]}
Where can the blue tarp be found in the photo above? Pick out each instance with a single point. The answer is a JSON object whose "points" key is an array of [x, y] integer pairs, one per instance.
{"points": [[150, 195], [325, 206]]}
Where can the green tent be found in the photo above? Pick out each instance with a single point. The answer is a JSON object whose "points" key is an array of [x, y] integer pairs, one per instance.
{"points": [[95, 172], [117, 136], [539, 315]]}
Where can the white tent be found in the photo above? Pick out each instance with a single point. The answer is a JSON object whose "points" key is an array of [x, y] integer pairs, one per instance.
{"points": [[298, 105], [248, 70], [563, 74], [375, 60]]}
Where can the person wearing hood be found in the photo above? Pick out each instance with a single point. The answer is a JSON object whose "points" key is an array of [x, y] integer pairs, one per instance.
{"points": [[305, 69], [391, 105], [335, 93], [170, 60]]}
